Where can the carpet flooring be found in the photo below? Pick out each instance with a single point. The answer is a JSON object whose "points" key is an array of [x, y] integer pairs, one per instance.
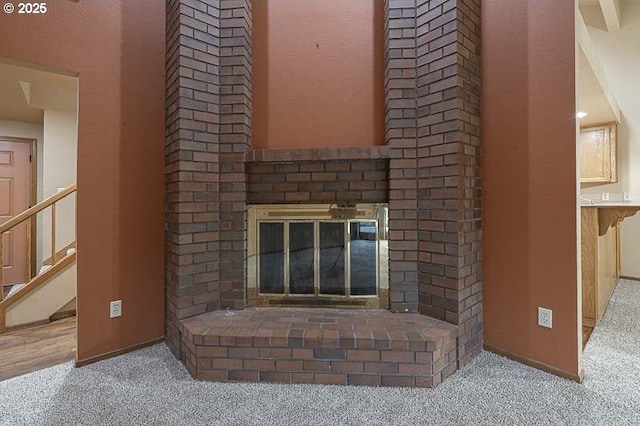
{"points": [[150, 387]]}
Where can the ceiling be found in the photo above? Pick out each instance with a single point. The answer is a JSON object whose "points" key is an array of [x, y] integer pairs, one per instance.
{"points": [[13, 103], [593, 16]]}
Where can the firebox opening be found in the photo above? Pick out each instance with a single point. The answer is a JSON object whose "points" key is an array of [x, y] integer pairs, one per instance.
{"points": [[318, 255]]}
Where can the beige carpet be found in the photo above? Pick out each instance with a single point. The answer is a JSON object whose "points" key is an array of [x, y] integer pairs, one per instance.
{"points": [[151, 387]]}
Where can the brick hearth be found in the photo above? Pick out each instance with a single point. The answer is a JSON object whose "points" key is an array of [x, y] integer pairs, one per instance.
{"points": [[327, 346]]}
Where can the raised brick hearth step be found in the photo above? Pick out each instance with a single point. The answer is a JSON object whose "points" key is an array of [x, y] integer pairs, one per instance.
{"points": [[327, 346]]}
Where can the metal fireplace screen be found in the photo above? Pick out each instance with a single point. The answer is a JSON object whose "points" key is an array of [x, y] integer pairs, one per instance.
{"points": [[318, 255]]}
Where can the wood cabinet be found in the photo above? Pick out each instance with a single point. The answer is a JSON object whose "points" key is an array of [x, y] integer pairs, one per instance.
{"points": [[601, 256], [598, 153], [600, 265]]}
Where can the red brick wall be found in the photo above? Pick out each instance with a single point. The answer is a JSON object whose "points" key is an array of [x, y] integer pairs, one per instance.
{"points": [[401, 133], [433, 131], [192, 162], [353, 175], [428, 172], [208, 132], [449, 193], [235, 140], [297, 345]]}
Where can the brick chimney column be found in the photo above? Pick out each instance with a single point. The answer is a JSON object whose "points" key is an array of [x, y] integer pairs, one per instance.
{"points": [[192, 150]]}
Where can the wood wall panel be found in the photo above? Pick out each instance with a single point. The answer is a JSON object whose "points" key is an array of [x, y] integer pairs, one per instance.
{"points": [[607, 270]]}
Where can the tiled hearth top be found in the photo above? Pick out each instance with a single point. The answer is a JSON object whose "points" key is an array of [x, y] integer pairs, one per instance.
{"points": [[319, 327], [318, 154]]}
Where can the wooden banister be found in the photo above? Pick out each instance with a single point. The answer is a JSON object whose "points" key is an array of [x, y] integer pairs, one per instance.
{"points": [[30, 212], [59, 254]]}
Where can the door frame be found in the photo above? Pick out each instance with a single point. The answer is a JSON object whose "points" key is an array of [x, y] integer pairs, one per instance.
{"points": [[33, 199]]}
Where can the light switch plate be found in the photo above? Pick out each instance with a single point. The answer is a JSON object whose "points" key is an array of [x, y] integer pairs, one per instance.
{"points": [[626, 196]]}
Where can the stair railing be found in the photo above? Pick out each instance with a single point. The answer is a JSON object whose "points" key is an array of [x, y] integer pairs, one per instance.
{"points": [[29, 214]]}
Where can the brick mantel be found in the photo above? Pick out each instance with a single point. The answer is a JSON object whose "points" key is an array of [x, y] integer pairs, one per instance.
{"points": [[318, 154]]}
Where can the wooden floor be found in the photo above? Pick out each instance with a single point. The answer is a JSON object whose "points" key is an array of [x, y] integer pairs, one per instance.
{"points": [[32, 349], [586, 334]]}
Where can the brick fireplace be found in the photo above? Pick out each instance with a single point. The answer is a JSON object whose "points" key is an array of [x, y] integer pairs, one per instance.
{"points": [[427, 176]]}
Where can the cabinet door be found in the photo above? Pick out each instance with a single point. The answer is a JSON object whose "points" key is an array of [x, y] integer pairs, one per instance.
{"points": [[598, 154]]}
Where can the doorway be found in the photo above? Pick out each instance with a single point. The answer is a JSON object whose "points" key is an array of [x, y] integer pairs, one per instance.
{"points": [[38, 162], [17, 194], [609, 121]]}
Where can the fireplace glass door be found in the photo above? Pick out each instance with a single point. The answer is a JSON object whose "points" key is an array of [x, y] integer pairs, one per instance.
{"points": [[301, 258], [332, 261], [318, 255], [318, 258]]}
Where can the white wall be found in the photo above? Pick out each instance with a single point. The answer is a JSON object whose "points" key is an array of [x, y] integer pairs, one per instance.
{"points": [[20, 129], [619, 52], [59, 171], [39, 305]]}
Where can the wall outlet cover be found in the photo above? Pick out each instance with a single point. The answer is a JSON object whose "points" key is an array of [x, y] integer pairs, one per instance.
{"points": [[605, 196], [545, 317], [115, 309], [626, 196]]}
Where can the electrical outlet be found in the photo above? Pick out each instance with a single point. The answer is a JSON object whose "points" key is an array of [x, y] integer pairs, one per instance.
{"points": [[545, 317], [626, 196], [605, 196], [115, 309]]}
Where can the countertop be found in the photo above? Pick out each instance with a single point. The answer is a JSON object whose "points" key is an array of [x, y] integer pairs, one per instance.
{"points": [[610, 204]]}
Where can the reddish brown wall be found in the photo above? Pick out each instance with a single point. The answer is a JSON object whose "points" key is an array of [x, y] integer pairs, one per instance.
{"points": [[117, 48], [316, 81], [529, 168]]}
